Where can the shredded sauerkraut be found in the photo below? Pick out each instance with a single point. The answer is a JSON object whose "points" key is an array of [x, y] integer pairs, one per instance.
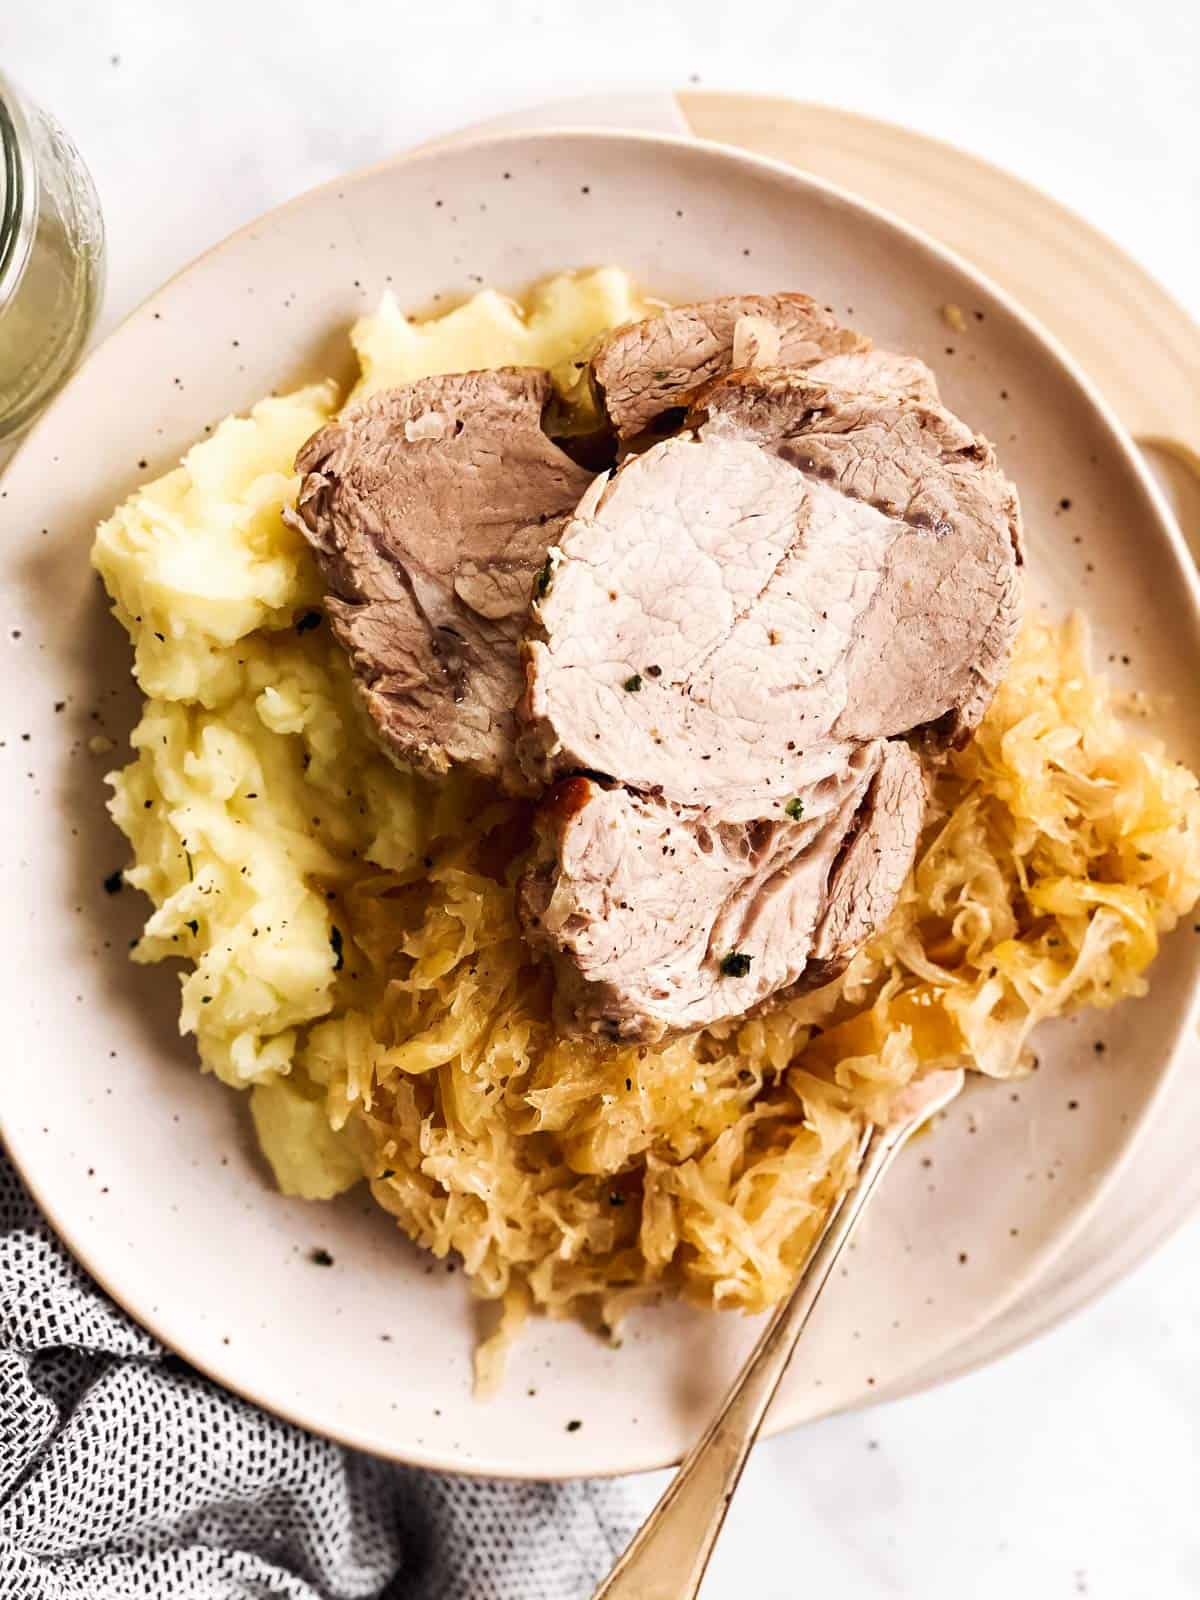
{"points": [[577, 1177]]}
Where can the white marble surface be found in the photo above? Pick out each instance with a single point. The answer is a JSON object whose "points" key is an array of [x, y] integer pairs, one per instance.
{"points": [[1073, 1467]]}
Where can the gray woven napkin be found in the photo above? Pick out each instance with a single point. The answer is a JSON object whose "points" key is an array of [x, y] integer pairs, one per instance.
{"points": [[125, 1475]]}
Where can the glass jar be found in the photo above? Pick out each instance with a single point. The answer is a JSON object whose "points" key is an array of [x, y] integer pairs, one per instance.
{"points": [[51, 258]]}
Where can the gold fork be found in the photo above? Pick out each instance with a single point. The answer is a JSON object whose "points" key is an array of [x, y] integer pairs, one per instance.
{"points": [[668, 1557]]}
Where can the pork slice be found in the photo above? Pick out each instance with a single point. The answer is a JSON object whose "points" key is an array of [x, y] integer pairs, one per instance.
{"points": [[430, 509], [801, 569], [932, 644], [872, 372], [658, 918], [646, 368]]}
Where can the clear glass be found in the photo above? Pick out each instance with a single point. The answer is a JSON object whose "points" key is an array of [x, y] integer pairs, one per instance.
{"points": [[51, 258]]}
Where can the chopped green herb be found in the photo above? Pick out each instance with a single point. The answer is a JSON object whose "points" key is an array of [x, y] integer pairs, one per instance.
{"points": [[574, 1427], [795, 809], [310, 620], [661, 374], [114, 883], [191, 869], [735, 964], [194, 926], [335, 939], [541, 584], [632, 685], [320, 1258]]}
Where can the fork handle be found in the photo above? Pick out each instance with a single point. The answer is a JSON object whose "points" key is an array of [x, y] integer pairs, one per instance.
{"points": [[667, 1558]]}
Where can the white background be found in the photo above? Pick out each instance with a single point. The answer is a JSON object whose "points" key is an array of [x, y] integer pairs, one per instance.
{"points": [[1073, 1467]]}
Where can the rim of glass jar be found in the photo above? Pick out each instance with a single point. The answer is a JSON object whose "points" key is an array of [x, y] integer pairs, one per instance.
{"points": [[18, 191]]}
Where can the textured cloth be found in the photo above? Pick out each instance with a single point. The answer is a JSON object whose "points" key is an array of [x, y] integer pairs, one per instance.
{"points": [[125, 1475]]}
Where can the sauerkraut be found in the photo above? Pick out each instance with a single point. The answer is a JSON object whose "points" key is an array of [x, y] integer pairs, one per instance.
{"points": [[355, 960]]}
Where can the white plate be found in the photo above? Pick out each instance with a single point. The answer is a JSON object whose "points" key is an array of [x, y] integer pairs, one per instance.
{"points": [[147, 1169]]}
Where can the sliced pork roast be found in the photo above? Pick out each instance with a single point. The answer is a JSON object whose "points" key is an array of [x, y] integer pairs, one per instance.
{"points": [[731, 624], [647, 368], [800, 569], [430, 509], [732, 639], [659, 918], [934, 637]]}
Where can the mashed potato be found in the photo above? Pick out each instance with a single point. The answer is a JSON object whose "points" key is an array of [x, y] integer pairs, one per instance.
{"points": [[354, 960]]}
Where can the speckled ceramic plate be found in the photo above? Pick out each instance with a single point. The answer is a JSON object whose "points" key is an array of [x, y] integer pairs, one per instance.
{"points": [[148, 1170]]}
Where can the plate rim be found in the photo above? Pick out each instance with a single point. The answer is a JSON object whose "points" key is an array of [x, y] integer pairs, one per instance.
{"points": [[798, 180]]}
